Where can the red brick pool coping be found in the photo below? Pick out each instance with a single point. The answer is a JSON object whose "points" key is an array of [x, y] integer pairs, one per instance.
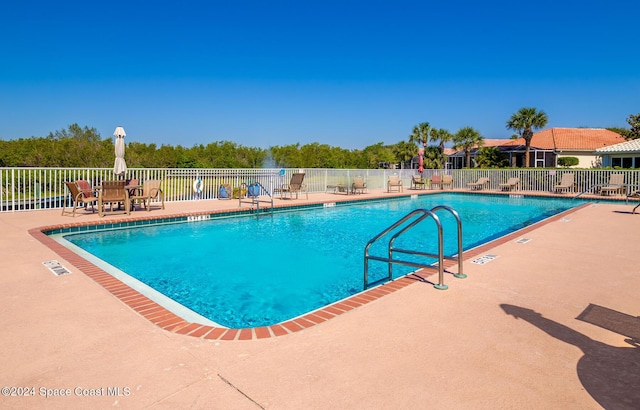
{"points": [[167, 320]]}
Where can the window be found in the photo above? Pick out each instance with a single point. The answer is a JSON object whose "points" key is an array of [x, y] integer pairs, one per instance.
{"points": [[625, 162]]}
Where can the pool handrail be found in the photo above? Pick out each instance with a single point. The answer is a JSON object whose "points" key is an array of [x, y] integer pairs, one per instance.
{"points": [[458, 258], [424, 214], [254, 200]]}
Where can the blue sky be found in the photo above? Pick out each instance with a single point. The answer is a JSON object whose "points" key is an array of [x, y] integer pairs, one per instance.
{"points": [[343, 73]]}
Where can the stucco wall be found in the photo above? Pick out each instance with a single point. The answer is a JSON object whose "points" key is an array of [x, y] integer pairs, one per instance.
{"points": [[584, 160]]}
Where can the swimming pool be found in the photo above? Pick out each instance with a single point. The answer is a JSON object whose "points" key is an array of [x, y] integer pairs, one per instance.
{"points": [[247, 272]]}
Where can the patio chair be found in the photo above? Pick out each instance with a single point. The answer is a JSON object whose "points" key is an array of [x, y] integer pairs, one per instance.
{"points": [[436, 180], [447, 180], [294, 185], [358, 185], [394, 182], [511, 183], [113, 192], [79, 199], [417, 182], [479, 185], [566, 183], [616, 185], [150, 191], [86, 189]]}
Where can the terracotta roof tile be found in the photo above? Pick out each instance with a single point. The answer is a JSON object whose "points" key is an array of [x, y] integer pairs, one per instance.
{"points": [[495, 143], [574, 139]]}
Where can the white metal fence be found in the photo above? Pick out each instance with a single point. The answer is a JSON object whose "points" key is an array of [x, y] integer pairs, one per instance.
{"points": [[43, 188]]}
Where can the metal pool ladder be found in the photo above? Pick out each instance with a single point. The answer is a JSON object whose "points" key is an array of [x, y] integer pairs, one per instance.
{"points": [[252, 197], [418, 216]]}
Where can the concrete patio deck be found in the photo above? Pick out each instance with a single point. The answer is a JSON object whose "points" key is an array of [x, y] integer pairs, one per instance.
{"points": [[549, 323]]}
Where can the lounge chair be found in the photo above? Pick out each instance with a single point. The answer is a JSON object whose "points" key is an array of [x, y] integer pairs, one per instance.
{"points": [[79, 198], [447, 180], [394, 182], [417, 182], [566, 183], [511, 183], [294, 185], [150, 190], [479, 185], [436, 180], [358, 185], [616, 185], [113, 192]]}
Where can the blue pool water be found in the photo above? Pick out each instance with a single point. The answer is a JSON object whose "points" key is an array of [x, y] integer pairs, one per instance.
{"points": [[256, 271]]}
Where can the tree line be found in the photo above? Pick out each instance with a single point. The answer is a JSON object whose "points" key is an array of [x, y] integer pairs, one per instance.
{"points": [[84, 147], [79, 146]]}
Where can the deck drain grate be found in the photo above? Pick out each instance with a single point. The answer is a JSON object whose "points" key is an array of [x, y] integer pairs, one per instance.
{"points": [[56, 268], [523, 240], [484, 259], [565, 220]]}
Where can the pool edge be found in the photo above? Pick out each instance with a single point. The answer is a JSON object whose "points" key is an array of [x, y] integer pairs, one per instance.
{"points": [[167, 320]]}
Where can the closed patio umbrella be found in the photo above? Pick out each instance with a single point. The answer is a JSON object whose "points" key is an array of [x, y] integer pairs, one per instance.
{"points": [[120, 166]]}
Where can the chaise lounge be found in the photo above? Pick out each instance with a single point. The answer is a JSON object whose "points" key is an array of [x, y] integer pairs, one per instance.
{"points": [[479, 185], [511, 183]]}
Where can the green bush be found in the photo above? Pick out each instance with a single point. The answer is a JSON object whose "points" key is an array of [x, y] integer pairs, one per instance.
{"points": [[568, 161]]}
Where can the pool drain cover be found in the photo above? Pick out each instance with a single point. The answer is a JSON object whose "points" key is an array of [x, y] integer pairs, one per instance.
{"points": [[484, 259], [56, 268]]}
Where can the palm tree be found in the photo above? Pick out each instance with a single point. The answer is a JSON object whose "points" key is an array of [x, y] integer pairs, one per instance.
{"points": [[433, 158], [442, 135], [523, 122], [491, 157], [466, 139], [404, 151], [420, 134]]}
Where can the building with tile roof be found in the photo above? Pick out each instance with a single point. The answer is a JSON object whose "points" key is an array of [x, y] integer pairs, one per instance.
{"points": [[553, 143], [623, 155]]}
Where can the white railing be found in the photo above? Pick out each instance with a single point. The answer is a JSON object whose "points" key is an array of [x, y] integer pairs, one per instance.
{"points": [[533, 179], [43, 188]]}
